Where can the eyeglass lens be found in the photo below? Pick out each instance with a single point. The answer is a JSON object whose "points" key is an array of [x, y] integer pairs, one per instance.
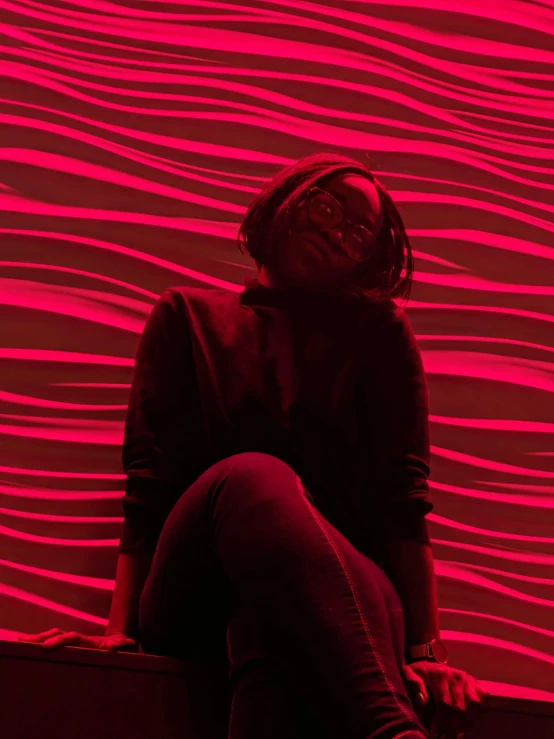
{"points": [[327, 212]]}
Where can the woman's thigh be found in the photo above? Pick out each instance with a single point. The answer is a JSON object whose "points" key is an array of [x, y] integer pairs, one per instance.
{"points": [[292, 697], [324, 609], [263, 707], [187, 599]]}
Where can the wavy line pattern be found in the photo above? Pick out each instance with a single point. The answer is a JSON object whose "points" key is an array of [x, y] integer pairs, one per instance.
{"points": [[132, 140]]}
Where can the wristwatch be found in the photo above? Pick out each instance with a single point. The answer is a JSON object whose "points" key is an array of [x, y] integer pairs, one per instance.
{"points": [[434, 650]]}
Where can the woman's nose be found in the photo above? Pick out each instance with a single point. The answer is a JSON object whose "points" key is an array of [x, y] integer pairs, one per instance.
{"points": [[335, 236]]}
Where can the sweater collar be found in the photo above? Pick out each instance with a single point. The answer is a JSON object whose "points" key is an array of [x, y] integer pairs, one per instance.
{"points": [[255, 293]]}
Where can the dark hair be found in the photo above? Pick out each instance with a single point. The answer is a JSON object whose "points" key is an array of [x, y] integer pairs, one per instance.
{"points": [[268, 218]]}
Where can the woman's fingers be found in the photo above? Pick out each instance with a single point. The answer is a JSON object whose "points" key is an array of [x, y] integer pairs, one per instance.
{"points": [[414, 685], [55, 638], [447, 719], [480, 691], [456, 713], [456, 697], [457, 694], [472, 691], [71, 638], [416, 690], [38, 638], [458, 706], [473, 702]]}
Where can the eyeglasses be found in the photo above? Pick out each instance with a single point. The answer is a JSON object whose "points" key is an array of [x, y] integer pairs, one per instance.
{"points": [[325, 211]]}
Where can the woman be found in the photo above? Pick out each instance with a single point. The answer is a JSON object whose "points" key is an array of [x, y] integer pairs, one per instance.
{"points": [[277, 454]]}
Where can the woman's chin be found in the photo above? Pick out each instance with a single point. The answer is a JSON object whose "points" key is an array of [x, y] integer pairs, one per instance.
{"points": [[314, 281]]}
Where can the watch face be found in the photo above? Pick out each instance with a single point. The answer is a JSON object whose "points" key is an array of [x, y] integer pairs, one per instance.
{"points": [[439, 651]]}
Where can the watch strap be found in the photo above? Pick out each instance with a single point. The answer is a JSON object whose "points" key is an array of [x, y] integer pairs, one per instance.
{"points": [[435, 651], [420, 651]]}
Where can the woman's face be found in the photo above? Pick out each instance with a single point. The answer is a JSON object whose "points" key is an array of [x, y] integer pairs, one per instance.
{"points": [[313, 256]]}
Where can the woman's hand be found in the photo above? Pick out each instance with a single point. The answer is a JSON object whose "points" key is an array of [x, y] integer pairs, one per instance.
{"points": [[456, 696], [115, 642]]}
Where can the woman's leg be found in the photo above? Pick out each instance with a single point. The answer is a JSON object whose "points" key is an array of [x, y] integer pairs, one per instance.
{"points": [[263, 707], [247, 532], [263, 704]]}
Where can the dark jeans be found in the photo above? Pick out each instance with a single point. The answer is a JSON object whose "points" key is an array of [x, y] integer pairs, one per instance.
{"points": [[249, 578]]}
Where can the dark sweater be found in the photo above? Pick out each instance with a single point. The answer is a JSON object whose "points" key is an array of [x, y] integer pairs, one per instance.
{"points": [[333, 386]]}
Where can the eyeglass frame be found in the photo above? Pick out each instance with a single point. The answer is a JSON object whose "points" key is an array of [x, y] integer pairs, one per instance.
{"points": [[308, 195]]}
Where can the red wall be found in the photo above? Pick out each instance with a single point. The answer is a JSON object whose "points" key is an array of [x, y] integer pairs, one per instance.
{"points": [[133, 135]]}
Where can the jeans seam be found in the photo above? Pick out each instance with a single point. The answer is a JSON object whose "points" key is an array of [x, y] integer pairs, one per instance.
{"points": [[356, 598]]}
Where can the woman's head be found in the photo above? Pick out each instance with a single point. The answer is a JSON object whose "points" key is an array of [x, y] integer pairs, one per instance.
{"points": [[296, 229]]}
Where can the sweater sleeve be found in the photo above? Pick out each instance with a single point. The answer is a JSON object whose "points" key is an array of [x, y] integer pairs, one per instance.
{"points": [[159, 418], [397, 401]]}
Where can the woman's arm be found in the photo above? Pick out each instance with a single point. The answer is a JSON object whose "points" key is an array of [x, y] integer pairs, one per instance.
{"points": [[410, 566], [158, 452], [398, 408], [397, 460], [132, 570]]}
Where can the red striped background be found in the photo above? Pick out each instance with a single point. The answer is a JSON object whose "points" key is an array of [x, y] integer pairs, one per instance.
{"points": [[133, 135]]}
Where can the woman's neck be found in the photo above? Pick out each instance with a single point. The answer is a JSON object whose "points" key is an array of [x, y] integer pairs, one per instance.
{"points": [[265, 278], [269, 280]]}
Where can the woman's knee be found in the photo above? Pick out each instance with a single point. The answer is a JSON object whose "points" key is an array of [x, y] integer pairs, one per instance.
{"points": [[251, 478], [255, 467]]}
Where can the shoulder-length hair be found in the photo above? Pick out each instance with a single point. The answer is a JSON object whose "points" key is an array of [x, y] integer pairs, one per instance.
{"points": [[268, 219]]}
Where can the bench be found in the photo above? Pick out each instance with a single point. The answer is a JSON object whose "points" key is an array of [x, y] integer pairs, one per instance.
{"points": [[85, 693]]}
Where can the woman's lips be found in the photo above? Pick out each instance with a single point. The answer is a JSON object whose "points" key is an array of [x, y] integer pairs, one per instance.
{"points": [[319, 245]]}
